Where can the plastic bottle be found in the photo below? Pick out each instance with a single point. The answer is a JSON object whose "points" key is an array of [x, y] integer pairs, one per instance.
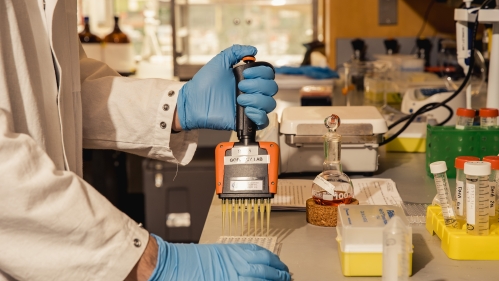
{"points": [[396, 250], [439, 169], [493, 184], [460, 181], [488, 117], [465, 118], [477, 197]]}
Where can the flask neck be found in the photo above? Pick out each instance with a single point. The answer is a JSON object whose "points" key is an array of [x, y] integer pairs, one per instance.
{"points": [[332, 152], [87, 26]]}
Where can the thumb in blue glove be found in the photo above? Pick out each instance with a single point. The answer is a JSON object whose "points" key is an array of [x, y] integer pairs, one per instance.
{"points": [[209, 99], [217, 262]]}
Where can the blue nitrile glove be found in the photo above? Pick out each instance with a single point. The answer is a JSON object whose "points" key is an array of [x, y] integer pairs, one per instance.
{"points": [[209, 99], [314, 72], [217, 262]]}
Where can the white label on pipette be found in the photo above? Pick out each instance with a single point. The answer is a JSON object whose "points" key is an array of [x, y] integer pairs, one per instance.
{"points": [[235, 160], [470, 203], [492, 206], [460, 197], [246, 185], [327, 186]]}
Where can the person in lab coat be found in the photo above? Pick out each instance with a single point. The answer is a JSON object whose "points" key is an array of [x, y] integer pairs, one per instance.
{"points": [[53, 102]]}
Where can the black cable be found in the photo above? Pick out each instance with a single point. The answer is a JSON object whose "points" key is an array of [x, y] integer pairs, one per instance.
{"points": [[432, 106], [425, 21]]}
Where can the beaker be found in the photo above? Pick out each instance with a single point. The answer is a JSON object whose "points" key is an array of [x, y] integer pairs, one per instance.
{"points": [[353, 88]]}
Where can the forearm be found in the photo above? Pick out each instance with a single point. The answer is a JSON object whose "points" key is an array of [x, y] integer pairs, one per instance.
{"points": [[145, 266]]}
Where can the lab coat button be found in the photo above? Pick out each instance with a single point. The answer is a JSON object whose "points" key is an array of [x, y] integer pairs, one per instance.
{"points": [[166, 107], [171, 93], [162, 125], [137, 243]]}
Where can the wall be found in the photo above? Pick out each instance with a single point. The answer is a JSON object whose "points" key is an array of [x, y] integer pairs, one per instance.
{"points": [[359, 18]]}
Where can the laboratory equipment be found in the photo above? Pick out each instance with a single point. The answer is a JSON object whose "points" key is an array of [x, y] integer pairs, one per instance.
{"points": [[488, 117], [267, 242], [396, 250], [301, 130], [354, 77], [118, 51], [91, 43], [477, 197], [414, 99], [493, 184], [316, 96], [460, 187], [439, 169], [332, 187], [465, 118], [464, 35], [467, 15], [360, 238], [246, 171]]}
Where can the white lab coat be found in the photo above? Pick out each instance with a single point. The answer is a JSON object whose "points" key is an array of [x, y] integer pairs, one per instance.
{"points": [[54, 225]]}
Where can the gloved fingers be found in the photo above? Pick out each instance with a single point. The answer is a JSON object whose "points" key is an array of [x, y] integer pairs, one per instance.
{"points": [[262, 71], [265, 257], [259, 117], [257, 101], [234, 54], [258, 86], [265, 272]]}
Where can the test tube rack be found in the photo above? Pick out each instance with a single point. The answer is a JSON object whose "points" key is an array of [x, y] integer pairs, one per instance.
{"points": [[459, 245]]}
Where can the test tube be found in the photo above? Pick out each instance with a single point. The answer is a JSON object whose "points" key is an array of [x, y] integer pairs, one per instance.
{"points": [[396, 247], [493, 184], [465, 118], [460, 181], [438, 170], [477, 197], [488, 117]]}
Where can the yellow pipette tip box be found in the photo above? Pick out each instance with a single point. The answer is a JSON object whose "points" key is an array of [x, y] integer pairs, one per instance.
{"points": [[459, 245], [360, 238]]}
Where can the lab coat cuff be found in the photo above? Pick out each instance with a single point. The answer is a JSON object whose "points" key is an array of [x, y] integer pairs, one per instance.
{"points": [[182, 145]]}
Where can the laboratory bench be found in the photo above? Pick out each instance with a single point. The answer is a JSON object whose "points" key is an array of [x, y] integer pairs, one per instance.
{"points": [[311, 252]]}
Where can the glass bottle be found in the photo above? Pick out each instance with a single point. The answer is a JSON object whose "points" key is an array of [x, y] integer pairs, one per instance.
{"points": [[91, 43], [118, 51], [332, 187]]}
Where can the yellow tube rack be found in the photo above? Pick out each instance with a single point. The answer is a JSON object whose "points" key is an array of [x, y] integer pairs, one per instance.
{"points": [[459, 245]]}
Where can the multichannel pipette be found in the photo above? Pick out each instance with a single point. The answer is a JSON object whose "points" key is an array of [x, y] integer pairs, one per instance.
{"points": [[438, 170], [246, 171]]}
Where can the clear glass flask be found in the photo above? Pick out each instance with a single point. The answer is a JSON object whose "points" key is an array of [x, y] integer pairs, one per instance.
{"points": [[460, 194], [439, 169], [332, 186], [477, 197], [396, 249], [465, 118]]}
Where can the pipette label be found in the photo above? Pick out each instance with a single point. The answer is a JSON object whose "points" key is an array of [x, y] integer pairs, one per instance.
{"points": [[460, 197], [237, 160], [246, 185]]}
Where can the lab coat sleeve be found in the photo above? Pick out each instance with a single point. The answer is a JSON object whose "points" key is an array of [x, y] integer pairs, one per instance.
{"points": [[55, 226], [131, 115]]}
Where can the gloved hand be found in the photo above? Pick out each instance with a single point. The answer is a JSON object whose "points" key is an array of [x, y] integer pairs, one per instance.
{"points": [[217, 262], [209, 99]]}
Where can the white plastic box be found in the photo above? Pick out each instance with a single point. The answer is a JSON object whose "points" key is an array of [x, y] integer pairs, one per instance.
{"points": [[360, 237]]}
